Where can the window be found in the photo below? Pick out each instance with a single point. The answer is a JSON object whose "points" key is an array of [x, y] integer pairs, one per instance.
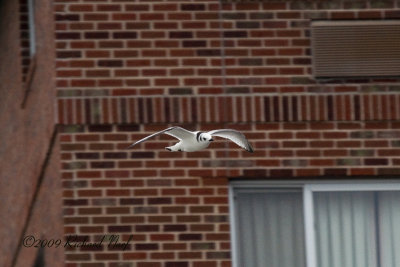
{"points": [[28, 45], [316, 224], [354, 48], [28, 38]]}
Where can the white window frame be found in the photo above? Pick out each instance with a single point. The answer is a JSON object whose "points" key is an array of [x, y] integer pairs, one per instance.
{"points": [[308, 187]]}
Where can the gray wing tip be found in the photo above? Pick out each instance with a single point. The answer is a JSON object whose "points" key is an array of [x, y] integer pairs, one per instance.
{"points": [[250, 148], [130, 146]]}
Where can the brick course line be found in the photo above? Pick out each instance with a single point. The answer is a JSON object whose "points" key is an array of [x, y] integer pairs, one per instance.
{"points": [[243, 108]]}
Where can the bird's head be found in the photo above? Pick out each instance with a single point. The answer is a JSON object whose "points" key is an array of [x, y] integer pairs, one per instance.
{"points": [[207, 137]]}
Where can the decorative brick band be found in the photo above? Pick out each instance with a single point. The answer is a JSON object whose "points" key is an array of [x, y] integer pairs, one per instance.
{"points": [[237, 108]]}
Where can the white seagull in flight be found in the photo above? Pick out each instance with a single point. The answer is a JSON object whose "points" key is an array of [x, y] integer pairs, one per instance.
{"points": [[194, 141]]}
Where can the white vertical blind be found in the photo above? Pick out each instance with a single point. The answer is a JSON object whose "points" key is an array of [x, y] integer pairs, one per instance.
{"points": [[355, 225], [389, 228], [270, 229], [345, 229]]}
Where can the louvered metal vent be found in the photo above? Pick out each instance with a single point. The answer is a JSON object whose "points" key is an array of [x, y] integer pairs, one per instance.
{"points": [[356, 48]]}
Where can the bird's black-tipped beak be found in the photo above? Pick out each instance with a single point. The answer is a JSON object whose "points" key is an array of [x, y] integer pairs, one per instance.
{"points": [[211, 140]]}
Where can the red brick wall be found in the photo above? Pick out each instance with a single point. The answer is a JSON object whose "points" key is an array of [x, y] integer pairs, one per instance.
{"points": [[29, 178], [128, 68]]}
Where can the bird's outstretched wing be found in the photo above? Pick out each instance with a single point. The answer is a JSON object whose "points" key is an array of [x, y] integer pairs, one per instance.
{"points": [[174, 131], [235, 136], [179, 133]]}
